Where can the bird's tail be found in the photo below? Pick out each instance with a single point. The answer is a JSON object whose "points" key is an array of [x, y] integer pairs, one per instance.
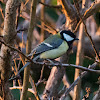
{"points": [[28, 63]]}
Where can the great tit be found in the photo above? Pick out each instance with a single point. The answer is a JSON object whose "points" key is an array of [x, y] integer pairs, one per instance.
{"points": [[53, 47]]}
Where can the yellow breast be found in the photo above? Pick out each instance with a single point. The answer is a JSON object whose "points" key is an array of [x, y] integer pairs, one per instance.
{"points": [[55, 53]]}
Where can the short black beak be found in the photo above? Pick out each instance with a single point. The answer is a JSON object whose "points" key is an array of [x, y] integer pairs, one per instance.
{"points": [[76, 39]]}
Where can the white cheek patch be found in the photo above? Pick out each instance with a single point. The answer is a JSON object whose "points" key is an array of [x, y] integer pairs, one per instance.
{"points": [[67, 37], [47, 44]]}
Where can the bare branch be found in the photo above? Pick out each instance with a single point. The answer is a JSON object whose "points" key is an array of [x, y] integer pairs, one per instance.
{"points": [[85, 14], [8, 32], [69, 65], [97, 55], [20, 88], [34, 88], [51, 6], [75, 82], [14, 49]]}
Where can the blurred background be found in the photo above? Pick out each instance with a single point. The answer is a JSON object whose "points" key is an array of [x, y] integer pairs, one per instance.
{"points": [[49, 20]]}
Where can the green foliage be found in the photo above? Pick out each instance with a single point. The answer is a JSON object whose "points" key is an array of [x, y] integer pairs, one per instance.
{"points": [[52, 13], [16, 94], [2, 5], [97, 18], [54, 2]]}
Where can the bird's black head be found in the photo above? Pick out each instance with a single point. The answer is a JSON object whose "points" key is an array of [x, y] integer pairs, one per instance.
{"points": [[68, 36]]}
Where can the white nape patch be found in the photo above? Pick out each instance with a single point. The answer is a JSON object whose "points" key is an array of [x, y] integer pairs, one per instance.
{"points": [[67, 37], [48, 44]]}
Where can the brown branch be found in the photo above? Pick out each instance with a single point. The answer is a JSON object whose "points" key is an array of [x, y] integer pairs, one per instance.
{"points": [[95, 6], [28, 48], [20, 88], [79, 58], [53, 83], [24, 5], [8, 32], [75, 82], [92, 43], [42, 72], [93, 9], [16, 72], [46, 29], [64, 65], [41, 80], [51, 6], [15, 49], [68, 9], [69, 65], [34, 88], [42, 23], [67, 84], [18, 15], [2, 12], [47, 24]]}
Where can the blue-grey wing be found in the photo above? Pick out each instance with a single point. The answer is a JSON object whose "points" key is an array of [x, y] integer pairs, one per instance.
{"points": [[50, 43]]}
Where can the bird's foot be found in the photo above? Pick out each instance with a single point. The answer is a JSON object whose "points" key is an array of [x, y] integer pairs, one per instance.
{"points": [[50, 61]]}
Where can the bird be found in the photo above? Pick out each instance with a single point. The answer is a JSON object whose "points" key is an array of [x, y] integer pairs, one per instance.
{"points": [[52, 47]]}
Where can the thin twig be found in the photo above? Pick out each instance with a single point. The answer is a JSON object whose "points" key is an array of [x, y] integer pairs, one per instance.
{"points": [[87, 13], [34, 88], [68, 65], [51, 6], [47, 24], [92, 43], [24, 5], [15, 49], [16, 72], [42, 72], [28, 48], [18, 15], [2, 12], [20, 88], [75, 82], [46, 29], [41, 80]]}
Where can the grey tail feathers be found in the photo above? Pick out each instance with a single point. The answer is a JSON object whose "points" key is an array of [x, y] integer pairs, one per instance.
{"points": [[36, 58], [28, 63]]}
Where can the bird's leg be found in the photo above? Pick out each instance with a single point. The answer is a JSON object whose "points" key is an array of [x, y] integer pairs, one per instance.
{"points": [[58, 63], [53, 63], [50, 61]]}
